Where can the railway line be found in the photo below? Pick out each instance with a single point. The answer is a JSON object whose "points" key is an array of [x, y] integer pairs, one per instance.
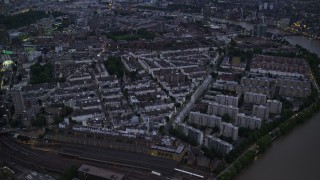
{"points": [[64, 155]]}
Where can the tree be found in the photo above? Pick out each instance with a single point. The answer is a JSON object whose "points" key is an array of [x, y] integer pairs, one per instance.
{"points": [[220, 167], [61, 79], [39, 121], [226, 118], [125, 93], [41, 73], [241, 100], [242, 162], [233, 43], [238, 167], [257, 51], [7, 174], [215, 129], [161, 130], [23, 19], [114, 66], [58, 120], [209, 152], [131, 35], [70, 173], [69, 110], [178, 105], [264, 142], [71, 121]]}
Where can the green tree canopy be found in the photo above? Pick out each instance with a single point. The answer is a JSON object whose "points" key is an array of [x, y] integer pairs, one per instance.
{"points": [[41, 73]]}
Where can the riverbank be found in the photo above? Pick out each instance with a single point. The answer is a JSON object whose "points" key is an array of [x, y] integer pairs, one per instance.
{"points": [[312, 45], [263, 143], [294, 156]]}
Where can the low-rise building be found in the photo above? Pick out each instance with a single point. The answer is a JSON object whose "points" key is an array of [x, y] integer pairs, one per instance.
{"points": [[175, 153], [283, 66]]}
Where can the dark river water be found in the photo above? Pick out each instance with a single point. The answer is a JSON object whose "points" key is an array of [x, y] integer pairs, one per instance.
{"points": [[293, 157], [311, 45], [297, 155]]}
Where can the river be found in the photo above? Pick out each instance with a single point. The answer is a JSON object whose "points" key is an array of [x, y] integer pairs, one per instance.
{"points": [[312, 45], [292, 157]]}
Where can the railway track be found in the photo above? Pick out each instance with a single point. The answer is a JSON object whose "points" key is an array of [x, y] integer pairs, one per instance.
{"points": [[60, 160]]}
